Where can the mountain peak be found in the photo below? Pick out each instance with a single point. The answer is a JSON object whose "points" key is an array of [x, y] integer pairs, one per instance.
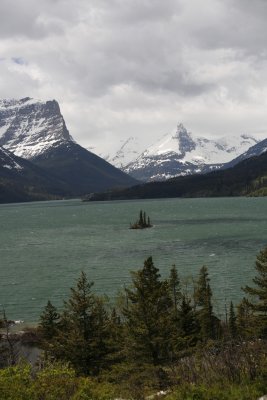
{"points": [[181, 130], [183, 154], [28, 127], [185, 140]]}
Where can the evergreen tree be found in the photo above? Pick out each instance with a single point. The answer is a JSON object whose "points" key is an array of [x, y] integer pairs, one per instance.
{"points": [[175, 287], [183, 317], [189, 328], [232, 322], [203, 295], [245, 320], [49, 321], [148, 316], [83, 334], [141, 221], [260, 292], [116, 338], [144, 220]]}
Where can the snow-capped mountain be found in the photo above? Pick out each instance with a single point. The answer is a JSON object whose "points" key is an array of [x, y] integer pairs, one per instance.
{"points": [[30, 127], [128, 151], [184, 154], [256, 150], [35, 130]]}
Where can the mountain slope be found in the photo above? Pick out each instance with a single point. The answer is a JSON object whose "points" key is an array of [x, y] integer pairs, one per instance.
{"points": [[127, 152], [247, 177], [183, 154], [20, 180], [256, 150], [81, 170], [36, 130]]}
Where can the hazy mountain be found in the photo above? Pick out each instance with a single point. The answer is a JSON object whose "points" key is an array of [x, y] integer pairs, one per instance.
{"points": [[127, 152]]}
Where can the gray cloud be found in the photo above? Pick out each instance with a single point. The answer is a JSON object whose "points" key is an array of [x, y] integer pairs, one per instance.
{"points": [[121, 67]]}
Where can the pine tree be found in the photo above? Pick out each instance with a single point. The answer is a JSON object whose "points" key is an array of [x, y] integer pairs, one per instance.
{"points": [[83, 333], [144, 220], [259, 292], [203, 295], [189, 328], [141, 221], [175, 287], [245, 320], [116, 338], [148, 316], [49, 321]]}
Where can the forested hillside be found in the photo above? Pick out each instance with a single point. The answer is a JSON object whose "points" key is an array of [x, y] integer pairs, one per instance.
{"points": [[161, 336], [244, 179]]}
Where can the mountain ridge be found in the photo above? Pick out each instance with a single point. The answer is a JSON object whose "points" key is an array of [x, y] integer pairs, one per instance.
{"points": [[182, 154], [249, 177], [36, 130]]}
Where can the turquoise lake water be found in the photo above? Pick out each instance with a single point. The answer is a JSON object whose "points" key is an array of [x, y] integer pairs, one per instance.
{"points": [[45, 245]]}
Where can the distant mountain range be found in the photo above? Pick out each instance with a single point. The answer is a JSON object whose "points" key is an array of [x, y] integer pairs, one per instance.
{"points": [[247, 178], [56, 165], [40, 160], [181, 154]]}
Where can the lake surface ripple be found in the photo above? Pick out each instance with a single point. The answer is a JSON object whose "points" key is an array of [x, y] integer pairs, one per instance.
{"points": [[45, 245]]}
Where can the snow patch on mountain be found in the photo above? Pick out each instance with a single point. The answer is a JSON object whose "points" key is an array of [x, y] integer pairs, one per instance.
{"points": [[127, 152], [256, 150], [199, 149], [29, 127], [7, 160], [182, 153]]}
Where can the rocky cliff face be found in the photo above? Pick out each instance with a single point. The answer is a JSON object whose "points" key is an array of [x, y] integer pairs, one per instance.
{"points": [[30, 127], [35, 130]]}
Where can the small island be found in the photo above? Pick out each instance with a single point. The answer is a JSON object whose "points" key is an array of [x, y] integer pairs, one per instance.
{"points": [[142, 223]]}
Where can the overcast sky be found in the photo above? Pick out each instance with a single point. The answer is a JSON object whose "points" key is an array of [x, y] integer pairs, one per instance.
{"points": [[123, 68]]}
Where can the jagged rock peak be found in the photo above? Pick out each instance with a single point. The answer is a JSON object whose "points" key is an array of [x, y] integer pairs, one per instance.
{"points": [[28, 127], [185, 140], [182, 153], [181, 131]]}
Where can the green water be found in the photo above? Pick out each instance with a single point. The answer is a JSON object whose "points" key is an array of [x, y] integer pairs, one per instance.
{"points": [[45, 245]]}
